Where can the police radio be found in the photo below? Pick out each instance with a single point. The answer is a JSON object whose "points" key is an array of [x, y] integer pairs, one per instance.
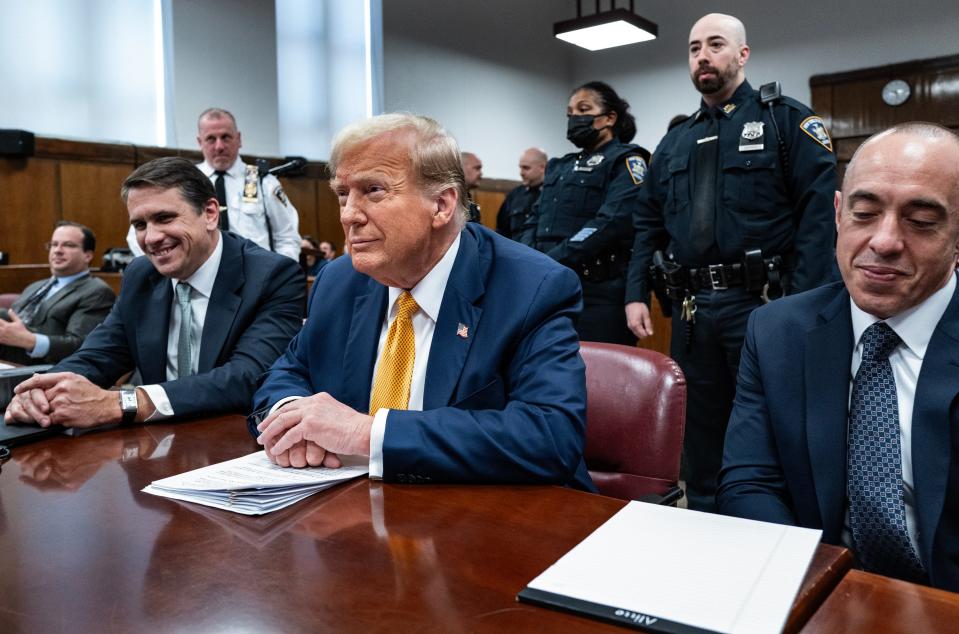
{"points": [[769, 94]]}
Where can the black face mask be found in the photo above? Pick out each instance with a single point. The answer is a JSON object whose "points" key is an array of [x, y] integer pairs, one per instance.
{"points": [[580, 130]]}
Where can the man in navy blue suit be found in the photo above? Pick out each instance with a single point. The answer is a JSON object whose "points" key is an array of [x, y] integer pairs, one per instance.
{"points": [[846, 416], [489, 387], [201, 316]]}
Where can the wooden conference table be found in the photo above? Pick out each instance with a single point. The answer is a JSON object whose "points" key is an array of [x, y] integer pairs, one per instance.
{"points": [[82, 549]]}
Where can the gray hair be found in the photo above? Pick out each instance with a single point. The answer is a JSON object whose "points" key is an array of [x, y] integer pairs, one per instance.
{"points": [[215, 113], [434, 153]]}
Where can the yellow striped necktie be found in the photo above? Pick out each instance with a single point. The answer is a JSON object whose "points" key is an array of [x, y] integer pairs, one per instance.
{"points": [[391, 387]]}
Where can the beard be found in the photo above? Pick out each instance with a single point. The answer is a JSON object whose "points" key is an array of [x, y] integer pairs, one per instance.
{"points": [[717, 82]]}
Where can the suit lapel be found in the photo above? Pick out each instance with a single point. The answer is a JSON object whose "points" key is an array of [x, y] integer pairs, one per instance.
{"points": [[360, 354], [827, 359], [153, 329], [47, 305], [224, 303], [936, 389], [450, 347]]}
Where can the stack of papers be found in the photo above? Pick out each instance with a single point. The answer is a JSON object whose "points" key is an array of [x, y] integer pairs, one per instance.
{"points": [[672, 570], [252, 485]]}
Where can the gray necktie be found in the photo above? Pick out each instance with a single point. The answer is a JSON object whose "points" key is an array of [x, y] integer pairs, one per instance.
{"points": [[184, 347], [877, 512]]}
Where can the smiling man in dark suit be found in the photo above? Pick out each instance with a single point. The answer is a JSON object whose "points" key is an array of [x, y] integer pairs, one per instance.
{"points": [[53, 316], [201, 316], [441, 350], [846, 415]]}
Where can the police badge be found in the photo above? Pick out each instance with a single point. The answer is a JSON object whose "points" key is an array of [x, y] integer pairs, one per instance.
{"points": [[249, 184], [751, 138], [595, 160]]}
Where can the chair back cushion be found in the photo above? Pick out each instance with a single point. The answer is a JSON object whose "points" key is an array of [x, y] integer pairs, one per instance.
{"points": [[635, 418]]}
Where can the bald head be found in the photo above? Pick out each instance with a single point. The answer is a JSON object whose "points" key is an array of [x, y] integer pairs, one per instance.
{"points": [[897, 218], [916, 138], [472, 169], [532, 167], [717, 56], [728, 26]]}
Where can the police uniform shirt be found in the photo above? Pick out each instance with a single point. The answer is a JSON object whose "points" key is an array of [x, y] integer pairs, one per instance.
{"points": [[586, 205], [516, 210], [247, 218], [757, 206]]}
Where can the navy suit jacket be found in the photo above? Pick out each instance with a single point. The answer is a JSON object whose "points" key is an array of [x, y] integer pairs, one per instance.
{"points": [[255, 309], [785, 456], [506, 403]]}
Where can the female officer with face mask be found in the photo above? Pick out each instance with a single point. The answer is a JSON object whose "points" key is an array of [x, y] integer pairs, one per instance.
{"points": [[584, 215]]}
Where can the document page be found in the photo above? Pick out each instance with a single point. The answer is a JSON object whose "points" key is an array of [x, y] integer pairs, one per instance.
{"points": [[703, 571], [253, 485]]}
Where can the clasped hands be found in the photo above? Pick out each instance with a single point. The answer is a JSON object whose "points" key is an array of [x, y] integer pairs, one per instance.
{"points": [[62, 398], [313, 431]]}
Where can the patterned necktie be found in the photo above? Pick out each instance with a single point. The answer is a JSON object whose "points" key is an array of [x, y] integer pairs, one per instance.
{"points": [[702, 223], [28, 311], [877, 513], [391, 387], [220, 185], [184, 347]]}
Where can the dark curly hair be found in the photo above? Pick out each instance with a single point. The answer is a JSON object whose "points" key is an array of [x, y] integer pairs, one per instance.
{"points": [[625, 127]]}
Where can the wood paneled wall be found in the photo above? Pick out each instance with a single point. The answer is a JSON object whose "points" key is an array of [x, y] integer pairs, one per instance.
{"points": [[80, 181], [851, 102]]}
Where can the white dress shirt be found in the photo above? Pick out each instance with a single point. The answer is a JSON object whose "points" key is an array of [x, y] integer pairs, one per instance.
{"points": [[915, 327], [429, 297], [42, 345], [201, 283]]}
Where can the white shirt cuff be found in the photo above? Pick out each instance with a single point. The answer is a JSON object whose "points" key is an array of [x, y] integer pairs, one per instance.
{"points": [[283, 401], [41, 347], [377, 431], [160, 401]]}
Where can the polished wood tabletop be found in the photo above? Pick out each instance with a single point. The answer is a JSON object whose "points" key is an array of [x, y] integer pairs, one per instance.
{"points": [[83, 549], [867, 603]]}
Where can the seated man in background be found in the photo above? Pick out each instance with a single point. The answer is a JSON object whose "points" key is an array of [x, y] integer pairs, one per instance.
{"points": [[53, 316], [846, 415], [328, 250], [201, 316], [420, 354], [311, 257]]}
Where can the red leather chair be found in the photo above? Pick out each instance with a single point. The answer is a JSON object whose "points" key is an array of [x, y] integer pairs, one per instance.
{"points": [[635, 418], [7, 299]]}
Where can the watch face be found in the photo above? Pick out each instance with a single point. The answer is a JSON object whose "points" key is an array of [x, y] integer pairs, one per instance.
{"points": [[896, 92]]}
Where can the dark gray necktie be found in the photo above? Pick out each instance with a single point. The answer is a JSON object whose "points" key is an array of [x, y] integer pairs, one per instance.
{"points": [[702, 222], [220, 185], [877, 512], [28, 311], [184, 347]]}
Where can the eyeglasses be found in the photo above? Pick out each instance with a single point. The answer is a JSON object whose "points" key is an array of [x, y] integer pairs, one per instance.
{"points": [[65, 245]]}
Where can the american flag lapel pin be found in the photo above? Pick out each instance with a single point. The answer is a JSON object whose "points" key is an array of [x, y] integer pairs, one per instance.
{"points": [[462, 330]]}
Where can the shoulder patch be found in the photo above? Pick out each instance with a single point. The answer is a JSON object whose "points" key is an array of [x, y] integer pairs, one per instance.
{"points": [[280, 194], [637, 169], [815, 128]]}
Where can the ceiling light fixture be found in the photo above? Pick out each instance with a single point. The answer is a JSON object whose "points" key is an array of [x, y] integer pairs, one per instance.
{"points": [[605, 29]]}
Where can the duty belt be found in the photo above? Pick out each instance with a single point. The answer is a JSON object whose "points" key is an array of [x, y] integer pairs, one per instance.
{"points": [[716, 277]]}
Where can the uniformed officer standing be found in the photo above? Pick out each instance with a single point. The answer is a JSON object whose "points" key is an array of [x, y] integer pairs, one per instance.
{"points": [[739, 198], [518, 205], [252, 205], [473, 171], [584, 214]]}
